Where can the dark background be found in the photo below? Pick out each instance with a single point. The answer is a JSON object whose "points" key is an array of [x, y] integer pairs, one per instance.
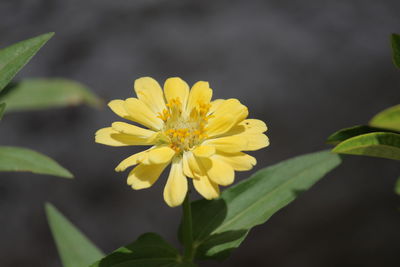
{"points": [[307, 68]]}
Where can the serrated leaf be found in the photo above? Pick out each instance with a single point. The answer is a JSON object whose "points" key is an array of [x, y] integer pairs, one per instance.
{"points": [[347, 133], [395, 40], [380, 144], [221, 225], [2, 108], [387, 119], [14, 57], [18, 159], [75, 248], [35, 94], [149, 250]]}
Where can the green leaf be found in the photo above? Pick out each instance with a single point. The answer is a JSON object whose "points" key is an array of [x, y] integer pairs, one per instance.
{"points": [[2, 108], [149, 250], [14, 57], [25, 160], [380, 144], [74, 248], [347, 133], [395, 40], [34, 94], [221, 225], [387, 119], [397, 187]]}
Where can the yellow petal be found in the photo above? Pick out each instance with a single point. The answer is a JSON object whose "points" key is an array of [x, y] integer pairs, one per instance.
{"points": [[218, 171], [176, 188], [186, 167], [130, 161], [149, 92], [255, 126], [118, 107], [200, 93], [229, 144], [109, 136], [130, 129], [249, 126], [144, 176], [254, 141], [226, 115], [176, 88], [251, 132], [103, 136], [160, 155], [154, 155], [206, 188], [140, 113], [233, 107], [204, 151], [215, 104], [195, 169], [238, 161], [220, 125]]}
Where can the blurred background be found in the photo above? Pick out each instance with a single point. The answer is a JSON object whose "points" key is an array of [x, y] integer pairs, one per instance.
{"points": [[307, 68]]}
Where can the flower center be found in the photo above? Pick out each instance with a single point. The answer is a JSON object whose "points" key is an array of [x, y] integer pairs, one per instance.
{"points": [[184, 129]]}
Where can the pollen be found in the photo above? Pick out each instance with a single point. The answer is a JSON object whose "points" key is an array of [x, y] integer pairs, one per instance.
{"points": [[184, 130]]}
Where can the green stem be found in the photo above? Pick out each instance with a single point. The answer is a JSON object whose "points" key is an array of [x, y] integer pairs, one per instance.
{"points": [[187, 231]]}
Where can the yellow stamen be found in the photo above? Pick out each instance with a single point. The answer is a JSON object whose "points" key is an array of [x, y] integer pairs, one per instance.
{"points": [[184, 130]]}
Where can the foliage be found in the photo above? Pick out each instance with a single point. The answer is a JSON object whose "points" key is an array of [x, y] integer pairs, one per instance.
{"points": [[397, 187], [395, 40], [74, 248], [35, 94], [221, 225], [377, 144], [380, 138], [350, 132], [30, 95], [2, 108], [210, 229], [148, 250], [14, 57], [387, 119], [26, 160]]}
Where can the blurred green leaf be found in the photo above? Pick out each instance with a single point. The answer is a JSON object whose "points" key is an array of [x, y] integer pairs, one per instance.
{"points": [[387, 119], [74, 248], [347, 133], [2, 108], [33, 94], [149, 250], [395, 40], [221, 225], [26, 160], [14, 57], [380, 144], [397, 187]]}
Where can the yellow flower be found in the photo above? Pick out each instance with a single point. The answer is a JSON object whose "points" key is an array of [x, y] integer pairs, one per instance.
{"points": [[200, 138]]}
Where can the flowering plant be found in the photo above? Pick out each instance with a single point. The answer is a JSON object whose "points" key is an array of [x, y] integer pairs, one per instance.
{"points": [[203, 141], [200, 138]]}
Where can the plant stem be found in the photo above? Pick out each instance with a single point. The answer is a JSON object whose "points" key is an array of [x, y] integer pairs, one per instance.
{"points": [[187, 230]]}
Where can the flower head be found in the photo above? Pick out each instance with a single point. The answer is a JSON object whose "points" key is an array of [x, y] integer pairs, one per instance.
{"points": [[200, 138]]}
